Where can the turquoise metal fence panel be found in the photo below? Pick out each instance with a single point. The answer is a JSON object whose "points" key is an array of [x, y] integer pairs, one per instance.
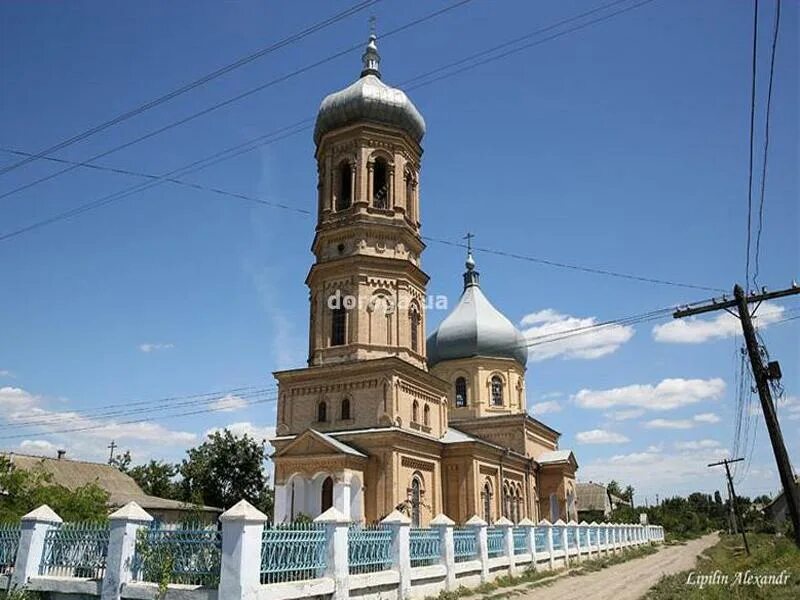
{"points": [[465, 542], [572, 537], [593, 539], [293, 552], [75, 550], [558, 538], [520, 540], [9, 542], [540, 538], [495, 541], [425, 547], [369, 548], [190, 554], [584, 536]]}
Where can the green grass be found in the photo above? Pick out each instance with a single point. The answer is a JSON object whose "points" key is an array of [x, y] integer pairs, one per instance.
{"points": [[769, 555]]}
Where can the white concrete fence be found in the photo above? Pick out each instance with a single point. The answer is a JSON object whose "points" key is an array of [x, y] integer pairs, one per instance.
{"points": [[331, 559]]}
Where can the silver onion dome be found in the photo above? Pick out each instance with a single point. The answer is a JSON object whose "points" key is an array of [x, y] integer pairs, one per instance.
{"points": [[475, 328], [369, 99]]}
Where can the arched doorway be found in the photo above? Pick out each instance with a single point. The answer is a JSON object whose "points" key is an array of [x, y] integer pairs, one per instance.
{"points": [[327, 494]]}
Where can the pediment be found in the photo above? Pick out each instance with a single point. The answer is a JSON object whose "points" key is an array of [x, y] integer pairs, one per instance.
{"points": [[314, 443]]}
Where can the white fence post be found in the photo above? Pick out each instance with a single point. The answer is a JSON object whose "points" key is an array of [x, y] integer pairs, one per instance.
{"points": [[447, 548], [337, 561], [34, 528], [549, 537], [479, 527], [507, 527], [242, 536], [400, 525], [123, 529]]}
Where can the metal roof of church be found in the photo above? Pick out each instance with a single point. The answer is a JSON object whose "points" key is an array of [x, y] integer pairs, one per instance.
{"points": [[475, 328], [369, 99]]}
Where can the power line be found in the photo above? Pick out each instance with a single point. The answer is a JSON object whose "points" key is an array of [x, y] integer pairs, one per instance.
{"points": [[766, 138], [142, 420], [511, 42], [232, 100], [752, 135], [563, 265], [529, 45], [194, 84], [124, 409]]}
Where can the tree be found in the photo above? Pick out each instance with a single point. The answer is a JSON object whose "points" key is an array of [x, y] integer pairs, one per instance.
{"points": [[121, 461], [225, 469], [156, 478], [23, 491]]}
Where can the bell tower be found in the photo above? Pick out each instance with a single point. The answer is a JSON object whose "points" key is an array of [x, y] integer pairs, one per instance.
{"points": [[367, 290]]}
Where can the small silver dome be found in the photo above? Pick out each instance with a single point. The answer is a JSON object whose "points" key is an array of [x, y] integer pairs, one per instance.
{"points": [[475, 328], [369, 99]]}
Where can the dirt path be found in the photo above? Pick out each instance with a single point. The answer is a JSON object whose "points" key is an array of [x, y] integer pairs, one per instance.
{"points": [[626, 581]]}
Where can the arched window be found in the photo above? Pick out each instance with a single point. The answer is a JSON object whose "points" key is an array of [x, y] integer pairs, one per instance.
{"points": [[380, 184], [345, 196], [338, 326], [486, 497], [416, 501], [414, 324], [415, 412], [327, 494], [322, 412], [345, 413], [426, 416], [497, 391], [461, 392]]}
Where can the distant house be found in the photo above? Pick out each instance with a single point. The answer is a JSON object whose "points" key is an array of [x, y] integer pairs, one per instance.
{"points": [[778, 510], [121, 488], [595, 501]]}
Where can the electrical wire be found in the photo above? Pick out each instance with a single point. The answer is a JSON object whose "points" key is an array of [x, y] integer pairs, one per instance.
{"points": [[232, 100], [194, 84], [768, 110], [752, 135]]}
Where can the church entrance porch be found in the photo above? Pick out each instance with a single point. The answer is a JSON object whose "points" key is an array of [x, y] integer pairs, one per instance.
{"points": [[313, 473]]}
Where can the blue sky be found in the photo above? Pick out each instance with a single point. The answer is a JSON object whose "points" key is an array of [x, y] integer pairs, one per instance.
{"points": [[620, 146]]}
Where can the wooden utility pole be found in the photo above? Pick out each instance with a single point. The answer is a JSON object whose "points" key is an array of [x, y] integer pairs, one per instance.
{"points": [[733, 501], [762, 375]]}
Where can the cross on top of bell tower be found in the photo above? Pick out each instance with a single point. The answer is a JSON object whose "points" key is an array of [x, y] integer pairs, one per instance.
{"points": [[371, 60]]}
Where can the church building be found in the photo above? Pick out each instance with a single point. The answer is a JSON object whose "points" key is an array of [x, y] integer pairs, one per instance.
{"points": [[379, 419]]}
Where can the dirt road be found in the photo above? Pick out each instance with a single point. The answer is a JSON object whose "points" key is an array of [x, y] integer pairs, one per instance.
{"points": [[626, 581]]}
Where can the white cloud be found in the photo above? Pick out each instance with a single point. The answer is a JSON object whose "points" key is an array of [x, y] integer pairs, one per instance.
{"points": [[788, 406], [600, 436], [669, 424], [543, 408], [545, 325], [706, 418], [147, 348], [246, 427], [655, 471], [625, 415], [41, 447], [697, 445], [228, 403], [82, 434], [666, 395], [682, 423], [6, 373], [693, 330]]}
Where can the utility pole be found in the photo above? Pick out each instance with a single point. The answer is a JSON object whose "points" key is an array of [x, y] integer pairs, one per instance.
{"points": [[112, 446], [762, 375], [732, 496]]}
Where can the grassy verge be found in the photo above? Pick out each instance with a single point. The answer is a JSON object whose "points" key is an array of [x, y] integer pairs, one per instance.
{"points": [[724, 571], [505, 585]]}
